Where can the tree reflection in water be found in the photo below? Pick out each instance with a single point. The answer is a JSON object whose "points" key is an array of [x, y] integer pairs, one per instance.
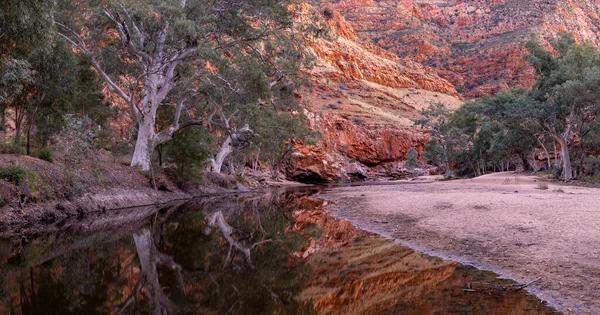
{"points": [[275, 253], [216, 255]]}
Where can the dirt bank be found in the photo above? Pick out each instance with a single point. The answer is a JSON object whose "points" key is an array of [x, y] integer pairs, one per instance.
{"points": [[508, 223], [39, 195]]}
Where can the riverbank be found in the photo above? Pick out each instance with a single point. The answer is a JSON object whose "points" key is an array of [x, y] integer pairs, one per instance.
{"points": [[273, 252], [512, 224], [37, 195]]}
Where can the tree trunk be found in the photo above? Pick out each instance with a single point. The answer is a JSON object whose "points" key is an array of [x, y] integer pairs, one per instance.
{"points": [[150, 258], [29, 140], [545, 151], [144, 145], [557, 161], [217, 161], [526, 166], [226, 149], [566, 160]]}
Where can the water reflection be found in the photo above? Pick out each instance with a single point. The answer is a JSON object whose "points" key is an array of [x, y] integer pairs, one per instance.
{"points": [[273, 253]]}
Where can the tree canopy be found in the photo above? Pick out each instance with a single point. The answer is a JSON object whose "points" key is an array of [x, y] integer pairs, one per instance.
{"points": [[561, 109], [210, 61]]}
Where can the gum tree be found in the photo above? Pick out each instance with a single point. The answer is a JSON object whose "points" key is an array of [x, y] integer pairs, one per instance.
{"points": [[564, 100], [154, 53]]}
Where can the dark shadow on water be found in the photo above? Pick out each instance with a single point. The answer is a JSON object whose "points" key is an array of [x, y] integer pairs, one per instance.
{"points": [[274, 252]]}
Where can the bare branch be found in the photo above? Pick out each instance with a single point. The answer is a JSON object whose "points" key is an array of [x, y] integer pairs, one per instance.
{"points": [[167, 134], [141, 36]]}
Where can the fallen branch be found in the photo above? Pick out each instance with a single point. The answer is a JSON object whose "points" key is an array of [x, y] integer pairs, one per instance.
{"points": [[517, 287]]}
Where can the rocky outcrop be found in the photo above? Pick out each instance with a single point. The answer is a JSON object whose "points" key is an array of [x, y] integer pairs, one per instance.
{"points": [[477, 45], [362, 99], [343, 57], [348, 149]]}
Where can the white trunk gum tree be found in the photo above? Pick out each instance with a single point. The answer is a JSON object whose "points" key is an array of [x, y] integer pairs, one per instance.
{"points": [[157, 79], [164, 52]]}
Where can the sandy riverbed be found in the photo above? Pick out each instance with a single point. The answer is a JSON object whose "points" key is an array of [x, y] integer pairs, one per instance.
{"points": [[503, 222]]}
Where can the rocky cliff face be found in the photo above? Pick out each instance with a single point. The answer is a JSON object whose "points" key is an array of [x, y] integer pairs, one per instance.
{"points": [[477, 45], [362, 99]]}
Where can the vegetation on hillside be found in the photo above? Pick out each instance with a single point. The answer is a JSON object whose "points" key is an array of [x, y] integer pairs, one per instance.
{"points": [[72, 72]]}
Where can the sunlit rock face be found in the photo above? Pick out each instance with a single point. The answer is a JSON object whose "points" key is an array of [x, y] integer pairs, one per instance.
{"points": [[362, 99], [477, 45], [387, 59], [348, 149]]}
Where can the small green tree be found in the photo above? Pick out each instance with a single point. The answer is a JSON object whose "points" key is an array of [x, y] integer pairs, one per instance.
{"points": [[412, 161], [188, 152], [437, 119]]}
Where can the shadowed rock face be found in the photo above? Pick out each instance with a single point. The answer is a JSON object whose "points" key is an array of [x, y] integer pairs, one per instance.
{"points": [[475, 44]]}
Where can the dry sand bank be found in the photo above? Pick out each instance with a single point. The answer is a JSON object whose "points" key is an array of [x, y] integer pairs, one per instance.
{"points": [[502, 222]]}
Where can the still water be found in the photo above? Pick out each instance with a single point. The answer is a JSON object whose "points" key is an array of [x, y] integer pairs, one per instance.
{"points": [[259, 253]]}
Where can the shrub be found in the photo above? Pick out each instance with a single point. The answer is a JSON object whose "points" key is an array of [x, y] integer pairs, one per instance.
{"points": [[591, 166], [13, 174], [542, 186], [591, 179], [119, 149], [358, 120], [311, 141], [332, 106], [189, 152], [12, 148], [46, 155], [411, 159]]}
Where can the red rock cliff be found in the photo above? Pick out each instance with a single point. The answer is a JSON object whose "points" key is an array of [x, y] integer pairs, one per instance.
{"points": [[362, 99], [475, 44]]}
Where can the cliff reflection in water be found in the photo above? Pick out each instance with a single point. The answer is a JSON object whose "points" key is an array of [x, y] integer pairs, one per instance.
{"points": [[274, 253]]}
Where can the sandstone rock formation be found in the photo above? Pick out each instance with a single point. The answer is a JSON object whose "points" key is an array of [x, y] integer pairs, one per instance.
{"points": [[362, 99], [477, 45]]}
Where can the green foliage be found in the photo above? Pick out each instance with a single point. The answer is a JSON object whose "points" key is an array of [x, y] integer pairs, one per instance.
{"points": [[213, 60], [488, 133], [76, 139], [591, 166], [273, 136], [358, 120], [25, 23], [444, 136], [46, 155], [11, 148], [412, 161], [119, 148], [189, 152], [591, 179], [16, 74], [13, 174]]}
